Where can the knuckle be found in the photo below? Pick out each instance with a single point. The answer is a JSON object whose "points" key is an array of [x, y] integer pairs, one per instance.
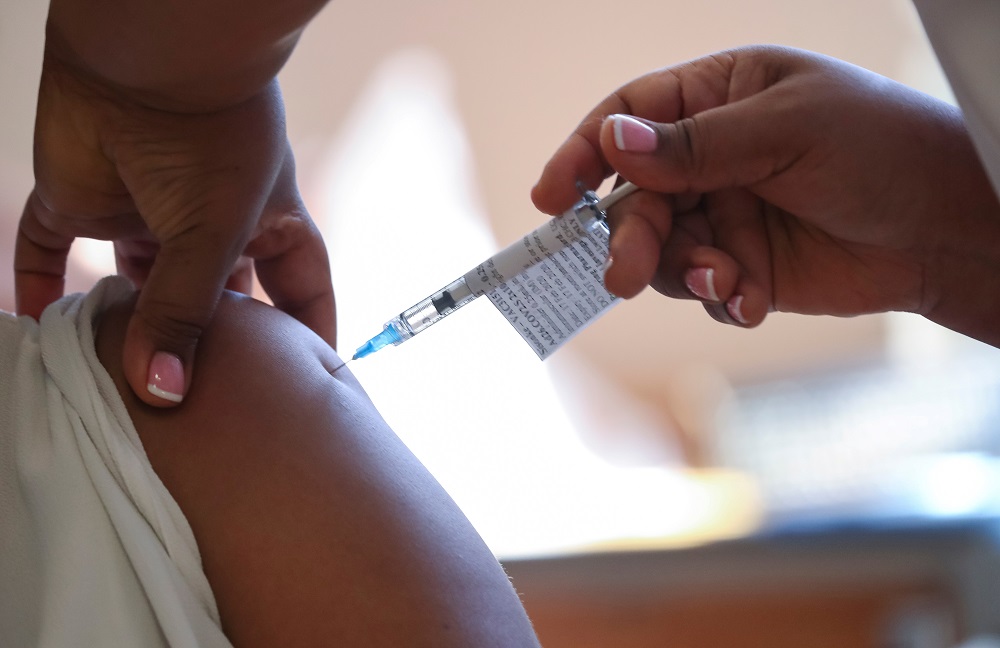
{"points": [[171, 328], [685, 149], [284, 231]]}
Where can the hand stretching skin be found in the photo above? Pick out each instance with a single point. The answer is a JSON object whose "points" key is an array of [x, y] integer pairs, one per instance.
{"points": [[187, 169], [783, 180]]}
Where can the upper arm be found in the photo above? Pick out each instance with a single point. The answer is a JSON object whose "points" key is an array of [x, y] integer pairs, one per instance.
{"points": [[315, 523]]}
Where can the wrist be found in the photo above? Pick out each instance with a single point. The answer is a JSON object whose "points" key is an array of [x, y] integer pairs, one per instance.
{"points": [[190, 56]]}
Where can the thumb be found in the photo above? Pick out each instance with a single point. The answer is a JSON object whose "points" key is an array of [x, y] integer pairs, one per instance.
{"points": [[734, 145], [175, 305]]}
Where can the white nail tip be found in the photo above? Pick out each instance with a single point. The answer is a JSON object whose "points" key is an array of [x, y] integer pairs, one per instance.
{"points": [[735, 309], [619, 138], [165, 395], [710, 283]]}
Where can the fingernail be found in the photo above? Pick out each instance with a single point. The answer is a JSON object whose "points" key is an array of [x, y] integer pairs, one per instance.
{"points": [[735, 308], [166, 377], [701, 282], [632, 135], [607, 264]]}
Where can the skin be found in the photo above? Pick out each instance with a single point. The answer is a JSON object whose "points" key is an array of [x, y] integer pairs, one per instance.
{"points": [[160, 126], [316, 525], [806, 184]]}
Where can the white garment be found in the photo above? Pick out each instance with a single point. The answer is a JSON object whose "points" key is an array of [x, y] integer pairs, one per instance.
{"points": [[93, 549], [965, 35]]}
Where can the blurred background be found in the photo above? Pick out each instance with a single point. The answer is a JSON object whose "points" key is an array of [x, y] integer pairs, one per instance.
{"points": [[663, 479]]}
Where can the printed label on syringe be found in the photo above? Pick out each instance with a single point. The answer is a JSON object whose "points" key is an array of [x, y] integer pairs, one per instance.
{"points": [[529, 251], [563, 291]]}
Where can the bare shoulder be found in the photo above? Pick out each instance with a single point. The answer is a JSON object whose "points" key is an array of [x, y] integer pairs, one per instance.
{"points": [[316, 525]]}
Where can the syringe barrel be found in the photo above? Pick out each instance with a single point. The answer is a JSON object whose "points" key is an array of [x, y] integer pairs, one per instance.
{"points": [[428, 311], [506, 264]]}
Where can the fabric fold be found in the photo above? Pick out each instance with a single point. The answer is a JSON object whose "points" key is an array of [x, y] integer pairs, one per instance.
{"points": [[94, 551]]}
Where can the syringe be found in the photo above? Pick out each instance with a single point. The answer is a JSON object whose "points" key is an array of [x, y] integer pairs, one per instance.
{"points": [[591, 212]]}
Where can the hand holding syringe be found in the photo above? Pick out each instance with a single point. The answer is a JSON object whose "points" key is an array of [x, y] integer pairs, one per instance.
{"points": [[584, 220]]}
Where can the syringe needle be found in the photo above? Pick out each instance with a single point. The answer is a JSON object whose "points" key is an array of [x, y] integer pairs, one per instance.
{"points": [[389, 335], [624, 189], [340, 366]]}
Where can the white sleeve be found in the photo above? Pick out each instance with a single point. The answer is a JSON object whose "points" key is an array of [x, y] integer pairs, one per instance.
{"points": [[965, 35], [94, 551]]}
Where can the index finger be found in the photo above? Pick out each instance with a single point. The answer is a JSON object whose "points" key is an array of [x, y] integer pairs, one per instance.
{"points": [[291, 261], [294, 270], [39, 260]]}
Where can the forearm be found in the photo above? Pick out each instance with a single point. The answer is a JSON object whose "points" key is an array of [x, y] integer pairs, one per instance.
{"points": [[179, 55]]}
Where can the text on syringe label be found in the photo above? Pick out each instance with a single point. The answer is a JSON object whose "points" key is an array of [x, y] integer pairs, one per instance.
{"points": [[561, 291], [531, 250]]}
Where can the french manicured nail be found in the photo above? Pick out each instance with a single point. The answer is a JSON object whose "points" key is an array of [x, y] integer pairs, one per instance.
{"points": [[735, 308], [632, 135], [166, 377], [701, 283]]}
